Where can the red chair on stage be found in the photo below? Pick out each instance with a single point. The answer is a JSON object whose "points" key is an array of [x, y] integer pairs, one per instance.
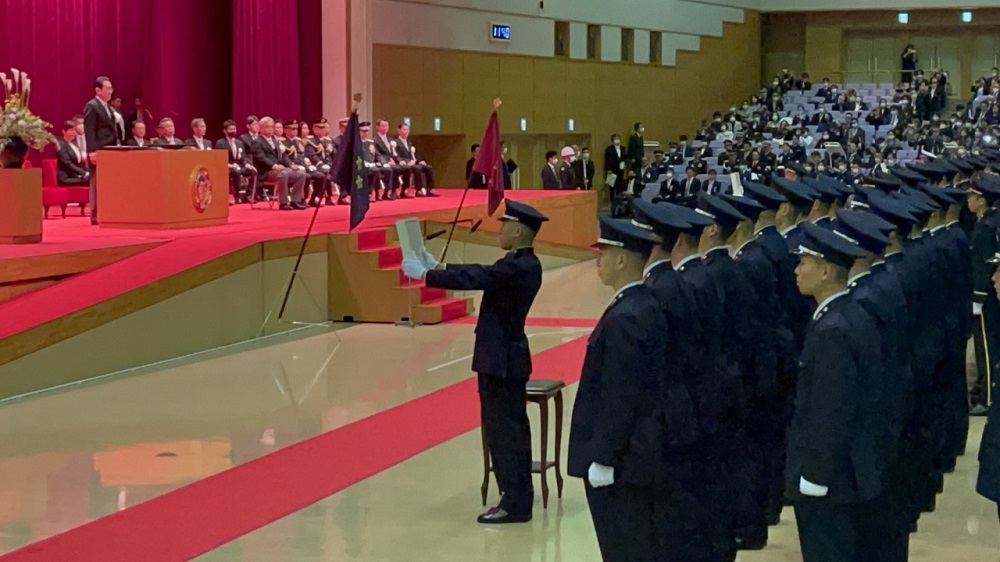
{"points": [[52, 196], [80, 195]]}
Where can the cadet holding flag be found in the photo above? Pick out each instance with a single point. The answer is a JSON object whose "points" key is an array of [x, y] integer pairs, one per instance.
{"points": [[502, 358]]}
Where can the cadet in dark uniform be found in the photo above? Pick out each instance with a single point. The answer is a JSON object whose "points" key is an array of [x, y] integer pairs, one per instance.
{"points": [[765, 397], [832, 471], [318, 148], [885, 534], [787, 338], [988, 484], [742, 461], [692, 531], [616, 431], [823, 205], [983, 196], [502, 358], [719, 397]]}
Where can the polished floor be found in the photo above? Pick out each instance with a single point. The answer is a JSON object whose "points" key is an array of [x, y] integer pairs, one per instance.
{"points": [[91, 451]]}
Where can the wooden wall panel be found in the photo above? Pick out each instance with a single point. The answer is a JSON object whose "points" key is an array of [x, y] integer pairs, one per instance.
{"points": [[601, 97]]}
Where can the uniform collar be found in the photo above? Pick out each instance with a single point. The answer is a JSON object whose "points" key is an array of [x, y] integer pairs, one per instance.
{"points": [[743, 245], [716, 249], [649, 268], [680, 265], [761, 230], [825, 305], [937, 228], [853, 281], [618, 294], [951, 224], [788, 230]]}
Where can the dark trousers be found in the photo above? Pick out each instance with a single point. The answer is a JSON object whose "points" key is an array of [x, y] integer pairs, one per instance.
{"points": [[386, 176], [627, 522], [234, 181], [73, 181], [508, 437], [422, 176], [828, 533], [884, 527], [93, 193], [984, 341]]}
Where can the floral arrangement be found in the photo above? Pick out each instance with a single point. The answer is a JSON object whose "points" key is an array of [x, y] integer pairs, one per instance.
{"points": [[16, 120]]}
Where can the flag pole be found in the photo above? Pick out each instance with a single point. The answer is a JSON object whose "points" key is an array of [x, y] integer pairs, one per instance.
{"points": [[305, 241], [461, 204]]}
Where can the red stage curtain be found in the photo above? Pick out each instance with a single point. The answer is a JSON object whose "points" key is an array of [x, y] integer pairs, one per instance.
{"points": [[266, 64]]}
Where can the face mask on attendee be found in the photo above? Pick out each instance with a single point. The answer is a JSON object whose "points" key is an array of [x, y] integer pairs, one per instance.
{"points": [[231, 134]]}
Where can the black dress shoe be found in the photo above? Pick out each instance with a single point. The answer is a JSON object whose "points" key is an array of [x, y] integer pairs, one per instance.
{"points": [[979, 410], [343, 201], [300, 206], [285, 207], [93, 222], [497, 516], [432, 194]]}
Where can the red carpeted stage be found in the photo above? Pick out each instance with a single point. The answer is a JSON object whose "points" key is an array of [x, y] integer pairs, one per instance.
{"points": [[82, 277]]}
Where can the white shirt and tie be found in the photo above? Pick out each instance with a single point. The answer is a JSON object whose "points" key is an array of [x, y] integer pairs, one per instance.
{"points": [[201, 143]]}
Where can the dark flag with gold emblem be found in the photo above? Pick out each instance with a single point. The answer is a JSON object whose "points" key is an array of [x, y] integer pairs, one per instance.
{"points": [[489, 162], [349, 170]]}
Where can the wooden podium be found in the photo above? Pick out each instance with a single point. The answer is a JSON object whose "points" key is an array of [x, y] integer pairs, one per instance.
{"points": [[160, 189], [21, 206]]}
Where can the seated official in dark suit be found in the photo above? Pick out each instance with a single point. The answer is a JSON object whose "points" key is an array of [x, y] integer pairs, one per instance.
{"points": [[386, 149], [550, 172], [406, 154], [275, 166], [72, 163], [239, 162], [165, 130], [138, 136], [250, 137], [689, 188], [198, 130], [380, 174]]}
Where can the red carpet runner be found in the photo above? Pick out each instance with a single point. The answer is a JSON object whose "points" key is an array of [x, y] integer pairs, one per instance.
{"points": [[211, 512]]}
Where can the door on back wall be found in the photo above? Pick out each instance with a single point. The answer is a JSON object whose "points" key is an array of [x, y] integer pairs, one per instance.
{"points": [[985, 56], [942, 52], [870, 58]]}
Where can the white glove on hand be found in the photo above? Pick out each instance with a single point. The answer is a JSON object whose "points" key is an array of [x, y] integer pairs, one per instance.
{"points": [[977, 309], [807, 488], [412, 267], [428, 260], [600, 476]]}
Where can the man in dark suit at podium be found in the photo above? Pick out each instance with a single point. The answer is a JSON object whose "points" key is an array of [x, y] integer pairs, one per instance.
{"points": [[99, 130], [502, 357]]}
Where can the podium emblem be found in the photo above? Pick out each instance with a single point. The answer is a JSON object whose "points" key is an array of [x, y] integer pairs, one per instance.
{"points": [[201, 188]]}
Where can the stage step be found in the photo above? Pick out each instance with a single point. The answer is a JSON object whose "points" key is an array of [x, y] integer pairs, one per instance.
{"points": [[367, 284]]}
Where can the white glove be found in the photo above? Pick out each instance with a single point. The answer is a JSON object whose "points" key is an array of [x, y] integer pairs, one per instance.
{"points": [[428, 260], [807, 488], [600, 476], [977, 309], [412, 267], [621, 165]]}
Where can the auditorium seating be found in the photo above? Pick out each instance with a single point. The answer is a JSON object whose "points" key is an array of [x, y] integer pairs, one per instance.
{"points": [[75, 194]]}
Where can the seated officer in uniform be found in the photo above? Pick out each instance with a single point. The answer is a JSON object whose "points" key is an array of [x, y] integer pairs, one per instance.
{"points": [[615, 440], [502, 358], [832, 472]]}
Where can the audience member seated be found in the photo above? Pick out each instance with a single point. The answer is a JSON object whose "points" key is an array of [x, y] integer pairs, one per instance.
{"points": [[72, 167], [713, 186], [275, 167], [165, 130], [198, 130], [550, 172], [475, 179], [250, 137], [421, 172], [138, 135], [239, 162]]}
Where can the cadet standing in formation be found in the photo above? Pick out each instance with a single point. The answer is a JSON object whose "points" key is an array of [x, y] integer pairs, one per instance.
{"points": [[502, 358], [808, 350]]}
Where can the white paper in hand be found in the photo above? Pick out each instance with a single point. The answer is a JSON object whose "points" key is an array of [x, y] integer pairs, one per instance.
{"points": [[737, 184], [411, 238]]}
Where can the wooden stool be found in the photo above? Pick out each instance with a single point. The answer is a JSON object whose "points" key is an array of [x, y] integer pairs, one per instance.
{"points": [[539, 392]]}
